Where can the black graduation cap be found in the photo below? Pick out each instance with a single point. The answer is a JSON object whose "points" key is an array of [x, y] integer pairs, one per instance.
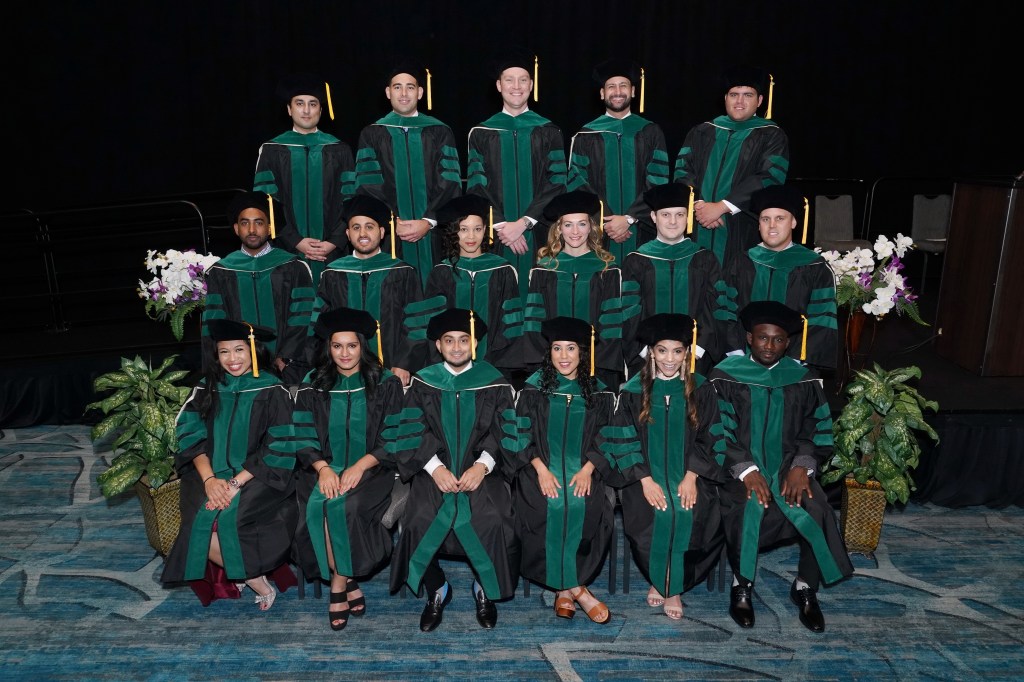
{"points": [[508, 58], [345, 320], [371, 207], [665, 327], [771, 312], [462, 206], [296, 84], [668, 195], [745, 75], [233, 330], [455, 320], [576, 201], [245, 200], [785, 197], [408, 65], [566, 329], [616, 66]]}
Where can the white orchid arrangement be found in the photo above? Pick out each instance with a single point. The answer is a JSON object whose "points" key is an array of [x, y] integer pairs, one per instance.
{"points": [[870, 279], [178, 288]]}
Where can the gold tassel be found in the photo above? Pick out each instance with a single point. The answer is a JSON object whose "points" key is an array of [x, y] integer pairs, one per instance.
{"points": [[591, 350], [693, 349], [472, 337], [330, 106], [536, 78], [380, 344], [689, 213], [490, 222], [270, 201], [771, 88], [803, 342], [600, 223], [641, 89], [252, 351], [393, 236], [803, 238], [429, 98]]}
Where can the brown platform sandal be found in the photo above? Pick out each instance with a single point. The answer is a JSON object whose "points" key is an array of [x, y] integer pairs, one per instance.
{"points": [[564, 607], [599, 612]]}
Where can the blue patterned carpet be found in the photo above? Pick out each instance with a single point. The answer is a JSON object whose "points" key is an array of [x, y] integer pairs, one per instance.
{"points": [[80, 600]]}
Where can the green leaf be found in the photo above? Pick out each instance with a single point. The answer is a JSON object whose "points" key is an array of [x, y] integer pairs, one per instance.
{"points": [[122, 481], [108, 426]]}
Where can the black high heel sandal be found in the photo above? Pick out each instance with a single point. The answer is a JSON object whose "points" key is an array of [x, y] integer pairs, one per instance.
{"points": [[338, 619], [357, 606]]}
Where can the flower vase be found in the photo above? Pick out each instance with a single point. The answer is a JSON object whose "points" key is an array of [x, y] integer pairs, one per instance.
{"points": [[858, 325]]}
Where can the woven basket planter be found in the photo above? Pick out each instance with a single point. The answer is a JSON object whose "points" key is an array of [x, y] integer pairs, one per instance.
{"points": [[861, 515], [161, 513]]}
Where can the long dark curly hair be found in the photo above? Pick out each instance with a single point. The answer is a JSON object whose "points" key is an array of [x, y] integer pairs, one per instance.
{"points": [[647, 375], [325, 372], [450, 242], [549, 376], [208, 401]]}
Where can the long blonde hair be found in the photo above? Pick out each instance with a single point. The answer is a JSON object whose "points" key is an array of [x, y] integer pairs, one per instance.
{"points": [[647, 374], [556, 243]]}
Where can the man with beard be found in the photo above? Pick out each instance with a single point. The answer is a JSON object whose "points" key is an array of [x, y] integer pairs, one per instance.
{"points": [[618, 156], [271, 287]]}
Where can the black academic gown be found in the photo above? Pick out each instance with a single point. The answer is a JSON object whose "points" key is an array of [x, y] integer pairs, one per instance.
{"points": [[339, 427], [565, 539], [250, 431], [675, 549], [618, 159], [725, 159], [517, 163], [798, 277], [411, 164], [455, 417], [775, 418]]}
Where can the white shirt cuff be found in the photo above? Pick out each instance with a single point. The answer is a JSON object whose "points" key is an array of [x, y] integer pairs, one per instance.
{"points": [[732, 209], [486, 460], [432, 465], [748, 470]]}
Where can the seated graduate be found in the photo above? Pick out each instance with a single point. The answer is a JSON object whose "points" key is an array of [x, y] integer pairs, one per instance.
{"points": [[663, 444], [236, 460], [448, 447], [563, 511], [778, 431], [345, 481]]}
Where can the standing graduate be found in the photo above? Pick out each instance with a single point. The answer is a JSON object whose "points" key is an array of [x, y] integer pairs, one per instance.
{"points": [[664, 446], [448, 444], [236, 460], [563, 511], [344, 484], [472, 277]]}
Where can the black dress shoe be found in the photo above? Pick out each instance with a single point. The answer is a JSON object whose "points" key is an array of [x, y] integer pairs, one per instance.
{"points": [[486, 611], [741, 605], [806, 600], [434, 610]]}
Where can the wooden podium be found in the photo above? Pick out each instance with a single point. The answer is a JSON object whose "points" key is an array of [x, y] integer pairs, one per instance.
{"points": [[980, 320]]}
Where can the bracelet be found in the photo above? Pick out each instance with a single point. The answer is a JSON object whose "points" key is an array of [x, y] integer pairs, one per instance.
{"points": [[209, 477], [235, 484], [326, 466]]}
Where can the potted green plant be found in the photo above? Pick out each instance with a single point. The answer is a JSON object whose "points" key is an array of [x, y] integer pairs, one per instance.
{"points": [[140, 415], [876, 447]]}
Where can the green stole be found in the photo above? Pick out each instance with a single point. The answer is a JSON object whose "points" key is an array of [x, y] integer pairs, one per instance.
{"points": [[255, 285], [766, 286], [237, 396], [671, 263], [721, 171], [458, 418], [567, 412], [365, 277], [573, 275], [472, 287], [767, 417]]}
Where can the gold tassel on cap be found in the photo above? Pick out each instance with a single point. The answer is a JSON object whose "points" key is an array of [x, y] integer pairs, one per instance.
{"points": [[591, 350], [536, 78], [472, 336], [771, 88], [490, 223], [270, 202], [380, 344], [429, 98], [600, 222], [392, 223], [803, 238], [689, 213], [330, 106], [803, 341], [642, 89], [693, 349], [252, 351]]}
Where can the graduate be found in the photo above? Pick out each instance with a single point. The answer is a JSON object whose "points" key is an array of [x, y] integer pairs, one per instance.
{"points": [[272, 287], [563, 511], [374, 280], [778, 430], [448, 448], [780, 269], [666, 451], [236, 460], [345, 480], [472, 276]]}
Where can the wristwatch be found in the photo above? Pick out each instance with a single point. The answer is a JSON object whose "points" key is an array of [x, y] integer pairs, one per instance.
{"points": [[233, 482], [630, 220]]}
